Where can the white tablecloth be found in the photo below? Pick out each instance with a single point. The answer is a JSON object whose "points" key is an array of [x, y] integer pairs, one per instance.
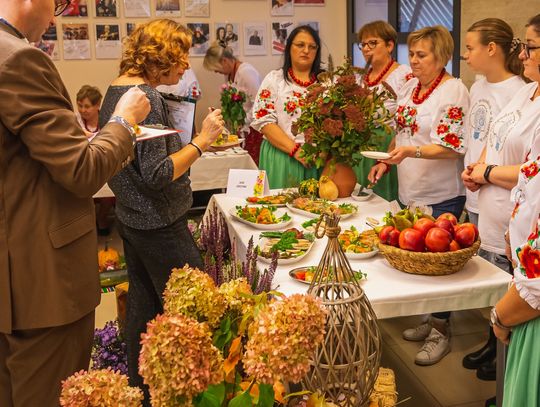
{"points": [[211, 171], [392, 293]]}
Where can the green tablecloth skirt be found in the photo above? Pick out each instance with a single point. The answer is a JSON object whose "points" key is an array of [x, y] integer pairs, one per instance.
{"points": [[387, 187], [522, 377], [283, 171]]}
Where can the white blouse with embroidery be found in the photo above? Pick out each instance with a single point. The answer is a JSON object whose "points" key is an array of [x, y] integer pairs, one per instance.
{"points": [[278, 102], [524, 227], [438, 120], [487, 100], [507, 143], [396, 79]]}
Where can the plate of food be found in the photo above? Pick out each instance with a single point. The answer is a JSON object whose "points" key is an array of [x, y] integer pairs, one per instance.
{"points": [[358, 245], [292, 245], [361, 193], [275, 200], [306, 274], [224, 142], [315, 207], [376, 155], [261, 217]]}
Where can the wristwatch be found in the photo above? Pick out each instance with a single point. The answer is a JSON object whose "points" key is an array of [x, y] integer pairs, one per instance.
{"points": [[418, 153], [494, 320], [126, 125]]}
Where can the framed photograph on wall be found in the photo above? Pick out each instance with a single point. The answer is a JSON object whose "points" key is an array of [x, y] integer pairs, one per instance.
{"points": [[197, 8], [255, 38], [108, 45], [309, 2], [280, 32], [77, 8], [168, 8], [136, 8], [228, 34], [130, 27], [281, 8], [106, 8], [201, 39], [76, 41], [49, 43]]}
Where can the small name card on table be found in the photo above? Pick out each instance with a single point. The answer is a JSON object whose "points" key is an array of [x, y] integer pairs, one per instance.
{"points": [[246, 183]]}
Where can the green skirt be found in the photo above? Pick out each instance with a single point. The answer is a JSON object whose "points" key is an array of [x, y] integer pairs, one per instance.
{"points": [[283, 171], [387, 187], [522, 377]]}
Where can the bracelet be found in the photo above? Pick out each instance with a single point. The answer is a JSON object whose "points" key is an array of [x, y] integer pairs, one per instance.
{"points": [[123, 122], [199, 150], [387, 170], [294, 150], [418, 153], [488, 171]]}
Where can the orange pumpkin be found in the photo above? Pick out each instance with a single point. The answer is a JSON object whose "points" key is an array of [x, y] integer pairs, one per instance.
{"points": [[108, 259]]}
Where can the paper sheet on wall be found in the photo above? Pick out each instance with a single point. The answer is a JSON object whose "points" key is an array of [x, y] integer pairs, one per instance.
{"points": [[181, 115]]}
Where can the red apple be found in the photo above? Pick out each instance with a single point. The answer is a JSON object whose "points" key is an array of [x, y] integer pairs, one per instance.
{"points": [[454, 246], [393, 238], [466, 235], [384, 233], [438, 240], [445, 224], [473, 226], [423, 225], [411, 239], [450, 216]]}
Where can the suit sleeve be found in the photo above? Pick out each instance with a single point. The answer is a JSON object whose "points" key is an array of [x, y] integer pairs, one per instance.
{"points": [[36, 107]]}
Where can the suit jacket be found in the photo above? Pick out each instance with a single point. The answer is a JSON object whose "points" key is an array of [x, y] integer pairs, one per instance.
{"points": [[48, 174]]}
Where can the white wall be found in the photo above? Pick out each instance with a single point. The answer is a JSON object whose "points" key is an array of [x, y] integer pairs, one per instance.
{"points": [[333, 31]]}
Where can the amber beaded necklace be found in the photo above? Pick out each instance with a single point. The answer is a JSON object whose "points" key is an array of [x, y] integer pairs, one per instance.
{"points": [[418, 100]]}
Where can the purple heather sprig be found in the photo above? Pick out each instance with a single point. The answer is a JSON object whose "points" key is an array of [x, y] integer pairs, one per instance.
{"points": [[178, 360], [99, 388], [109, 349]]}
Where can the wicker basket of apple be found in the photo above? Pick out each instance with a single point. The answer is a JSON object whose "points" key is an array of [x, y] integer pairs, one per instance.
{"points": [[420, 244]]}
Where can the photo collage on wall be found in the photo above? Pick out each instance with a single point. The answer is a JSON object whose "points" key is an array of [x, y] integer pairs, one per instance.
{"points": [[252, 38]]}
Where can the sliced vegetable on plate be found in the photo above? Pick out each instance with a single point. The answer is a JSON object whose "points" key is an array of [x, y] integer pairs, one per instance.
{"points": [[291, 245], [261, 217], [306, 274], [358, 245]]}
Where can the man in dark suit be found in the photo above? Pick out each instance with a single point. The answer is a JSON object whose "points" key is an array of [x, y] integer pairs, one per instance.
{"points": [[255, 39], [49, 285]]}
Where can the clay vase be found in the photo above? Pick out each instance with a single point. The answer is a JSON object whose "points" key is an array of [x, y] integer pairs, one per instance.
{"points": [[343, 176]]}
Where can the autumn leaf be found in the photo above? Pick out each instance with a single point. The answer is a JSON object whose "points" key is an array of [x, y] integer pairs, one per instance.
{"points": [[235, 354]]}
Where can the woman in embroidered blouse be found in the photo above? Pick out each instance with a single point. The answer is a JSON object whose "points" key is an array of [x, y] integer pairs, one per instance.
{"points": [[377, 40], [243, 76], [277, 106], [428, 152]]}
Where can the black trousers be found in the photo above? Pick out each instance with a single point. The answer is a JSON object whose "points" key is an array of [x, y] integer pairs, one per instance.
{"points": [[150, 257]]}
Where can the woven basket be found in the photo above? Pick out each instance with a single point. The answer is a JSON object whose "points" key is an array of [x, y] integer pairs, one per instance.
{"points": [[431, 264]]}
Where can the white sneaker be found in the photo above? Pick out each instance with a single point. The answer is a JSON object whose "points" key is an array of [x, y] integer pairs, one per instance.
{"points": [[436, 347], [419, 332]]}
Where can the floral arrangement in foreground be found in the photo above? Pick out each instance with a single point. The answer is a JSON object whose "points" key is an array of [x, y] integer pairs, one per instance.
{"points": [[232, 107], [339, 117], [109, 348]]}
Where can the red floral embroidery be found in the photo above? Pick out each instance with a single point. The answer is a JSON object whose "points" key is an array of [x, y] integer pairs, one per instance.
{"points": [[290, 106], [452, 139], [530, 170], [400, 109], [270, 106], [297, 94], [455, 113], [530, 261], [442, 128], [264, 94], [261, 113], [406, 117]]}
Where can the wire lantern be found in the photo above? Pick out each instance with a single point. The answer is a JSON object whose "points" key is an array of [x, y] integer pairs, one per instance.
{"points": [[346, 365]]}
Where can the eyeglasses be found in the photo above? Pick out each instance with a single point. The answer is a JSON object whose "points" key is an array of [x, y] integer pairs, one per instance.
{"points": [[370, 44], [303, 45], [527, 49], [60, 6]]}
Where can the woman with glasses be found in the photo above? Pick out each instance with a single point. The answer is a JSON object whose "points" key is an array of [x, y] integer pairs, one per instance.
{"points": [[428, 150], [492, 51], [242, 75], [277, 106], [153, 192], [376, 42]]}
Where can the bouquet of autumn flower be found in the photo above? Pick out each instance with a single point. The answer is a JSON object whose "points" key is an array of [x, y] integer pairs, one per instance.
{"points": [[339, 117], [232, 107]]}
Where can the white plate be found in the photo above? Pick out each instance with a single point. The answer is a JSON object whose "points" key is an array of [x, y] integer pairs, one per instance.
{"points": [[272, 226], [292, 274], [360, 256], [376, 155], [314, 215], [290, 260], [366, 193]]}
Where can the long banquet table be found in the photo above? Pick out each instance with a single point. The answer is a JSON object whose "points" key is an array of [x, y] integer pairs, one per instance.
{"points": [[392, 293]]}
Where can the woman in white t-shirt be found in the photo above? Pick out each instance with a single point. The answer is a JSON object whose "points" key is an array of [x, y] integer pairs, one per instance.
{"points": [[376, 41], [244, 77], [491, 51]]}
